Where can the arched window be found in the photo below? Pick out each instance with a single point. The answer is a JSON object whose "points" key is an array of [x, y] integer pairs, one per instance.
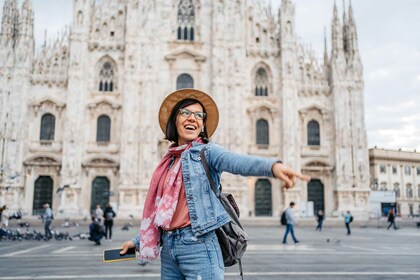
{"points": [[103, 132], [186, 20], [409, 191], [47, 127], [43, 193], [383, 186], [263, 200], [316, 194], [262, 132], [261, 83], [397, 190], [184, 81], [107, 77], [100, 192], [374, 187], [313, 133]]}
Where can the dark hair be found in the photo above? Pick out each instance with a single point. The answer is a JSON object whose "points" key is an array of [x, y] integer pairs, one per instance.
{"points": [[292, 203], [171, 132]]}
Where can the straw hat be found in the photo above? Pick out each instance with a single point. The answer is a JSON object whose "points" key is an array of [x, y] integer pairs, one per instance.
{"points": [[172, 99]]}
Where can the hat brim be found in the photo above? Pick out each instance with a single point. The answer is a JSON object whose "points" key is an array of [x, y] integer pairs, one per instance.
{"points": [[172, 99]]}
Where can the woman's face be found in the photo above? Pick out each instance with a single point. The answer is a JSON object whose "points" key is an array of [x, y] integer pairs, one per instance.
{"points": [[189, 128]]}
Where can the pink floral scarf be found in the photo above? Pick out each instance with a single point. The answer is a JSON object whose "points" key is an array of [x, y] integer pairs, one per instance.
{"points": [[161, 201]]}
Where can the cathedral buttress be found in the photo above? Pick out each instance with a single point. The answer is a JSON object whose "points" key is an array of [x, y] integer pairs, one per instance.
{"points": [[17, 50], [351, 159], [289, 95]]}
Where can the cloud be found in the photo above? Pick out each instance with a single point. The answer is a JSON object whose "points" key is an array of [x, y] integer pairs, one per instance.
{"points": [[380, 73], [406, 136]]}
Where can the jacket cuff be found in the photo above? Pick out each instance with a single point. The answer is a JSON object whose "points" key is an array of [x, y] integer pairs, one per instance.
{"points": [[278, 161]]}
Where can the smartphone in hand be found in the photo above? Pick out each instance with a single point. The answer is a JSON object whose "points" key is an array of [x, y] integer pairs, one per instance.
{"points": [[113, 255]]}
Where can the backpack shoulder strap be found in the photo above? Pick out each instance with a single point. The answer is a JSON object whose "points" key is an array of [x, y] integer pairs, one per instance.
{"points": [[207, 169], [213, 187]]}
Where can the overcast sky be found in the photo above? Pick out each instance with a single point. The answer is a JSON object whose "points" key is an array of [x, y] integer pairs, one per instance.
{"points": [[389, 43]]}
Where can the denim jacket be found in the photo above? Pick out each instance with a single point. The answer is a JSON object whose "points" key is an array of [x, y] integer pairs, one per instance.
{"points": [[206, 211]]}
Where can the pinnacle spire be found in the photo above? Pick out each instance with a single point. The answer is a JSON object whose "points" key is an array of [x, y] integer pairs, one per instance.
{"points": [[10, 20], [27, 19], [351, 19], [335, 13], [352, 32], [325, 47]]}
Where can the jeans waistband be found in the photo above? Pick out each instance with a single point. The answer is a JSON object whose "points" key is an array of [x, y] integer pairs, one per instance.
{"points": [[177, 230]]}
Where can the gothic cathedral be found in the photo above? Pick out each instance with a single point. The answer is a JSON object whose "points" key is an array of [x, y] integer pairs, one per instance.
{"points": [[78, 118]]}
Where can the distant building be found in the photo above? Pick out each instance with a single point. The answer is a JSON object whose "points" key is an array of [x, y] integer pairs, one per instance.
{"points": [[398, 172], [78, 119]]}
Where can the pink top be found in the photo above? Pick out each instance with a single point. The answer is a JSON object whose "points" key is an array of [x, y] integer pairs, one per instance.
{"points": [[181, 217]]}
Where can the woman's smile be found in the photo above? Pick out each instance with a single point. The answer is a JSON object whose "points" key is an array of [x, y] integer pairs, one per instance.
{"points": [[189, 128]]}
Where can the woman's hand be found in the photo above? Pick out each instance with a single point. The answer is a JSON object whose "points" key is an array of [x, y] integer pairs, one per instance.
{"points": [[125, 246], [288, 175]]}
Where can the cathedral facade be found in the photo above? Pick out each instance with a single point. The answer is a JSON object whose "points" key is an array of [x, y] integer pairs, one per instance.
{"points": [[79, 123]]}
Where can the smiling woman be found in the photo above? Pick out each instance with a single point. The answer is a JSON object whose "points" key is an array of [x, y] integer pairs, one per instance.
{"points": [[189, 124], [186, 122], [181, 212]]}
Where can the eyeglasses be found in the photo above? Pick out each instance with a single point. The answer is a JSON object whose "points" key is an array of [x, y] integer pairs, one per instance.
{"points": [[186, 113]]}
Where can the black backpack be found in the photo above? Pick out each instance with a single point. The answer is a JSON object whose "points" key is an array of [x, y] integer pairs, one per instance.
{"points": [[109, 216], [283, 219], [351, 219], [231, 236]]}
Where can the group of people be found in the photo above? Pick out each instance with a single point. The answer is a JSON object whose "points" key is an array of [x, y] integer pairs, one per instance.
{"points": [[101, 225], [291, 221], [348, 219]]}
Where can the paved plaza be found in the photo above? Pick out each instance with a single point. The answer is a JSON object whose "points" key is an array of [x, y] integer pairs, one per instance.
{"points": [[369, 253]]}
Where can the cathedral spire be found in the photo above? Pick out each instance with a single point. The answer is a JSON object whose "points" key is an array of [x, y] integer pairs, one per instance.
{"points": [[325, 48], [287, 21], [346, 33], [336, 34], [353, 42], [10, 21], [27, 19], [350, 40]]}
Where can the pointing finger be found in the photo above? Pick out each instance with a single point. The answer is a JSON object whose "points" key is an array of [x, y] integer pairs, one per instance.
{"points": [[288, 182]]}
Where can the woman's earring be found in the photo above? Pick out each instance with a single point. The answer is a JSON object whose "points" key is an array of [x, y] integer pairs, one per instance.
{"points": [[202, 129]]}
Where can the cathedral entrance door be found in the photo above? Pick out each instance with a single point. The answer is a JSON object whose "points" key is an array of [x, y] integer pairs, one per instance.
{"points": [[42, 194], [316, 194], [263, 205], [100, 193]]}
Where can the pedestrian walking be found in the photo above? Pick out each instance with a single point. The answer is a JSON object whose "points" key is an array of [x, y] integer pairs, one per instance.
{"points": [[99, 213], [109, 216], [290, 220], [320, 219], [180, 207], [4, 218], [4, 221], [348, 218], [391, 219], [47, 218]]}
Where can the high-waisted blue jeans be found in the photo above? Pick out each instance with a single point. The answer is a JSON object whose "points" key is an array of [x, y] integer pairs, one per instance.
{"points": [[185, 256]]}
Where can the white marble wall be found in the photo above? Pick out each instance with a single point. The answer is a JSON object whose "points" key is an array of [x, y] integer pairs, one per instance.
{"points": [[223, 60]]}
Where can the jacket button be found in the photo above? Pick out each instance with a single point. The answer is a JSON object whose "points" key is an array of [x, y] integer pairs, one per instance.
{"points": [[199, 158]]}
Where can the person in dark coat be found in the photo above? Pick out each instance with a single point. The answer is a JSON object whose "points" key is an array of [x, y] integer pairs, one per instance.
{"points": [[109, 216], [391, 219], [320, 216], [96, 231]]}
